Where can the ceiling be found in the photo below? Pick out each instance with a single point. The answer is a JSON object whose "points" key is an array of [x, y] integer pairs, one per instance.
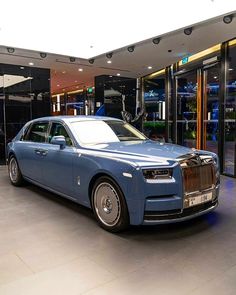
{"points": [[65, 75], [87, 28]]}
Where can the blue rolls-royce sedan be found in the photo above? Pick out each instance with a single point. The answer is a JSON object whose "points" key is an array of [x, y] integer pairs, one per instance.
{"points": [[109, 166]]}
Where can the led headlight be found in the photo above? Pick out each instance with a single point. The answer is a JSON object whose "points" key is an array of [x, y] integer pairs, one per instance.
{"points": [[153, 174]]}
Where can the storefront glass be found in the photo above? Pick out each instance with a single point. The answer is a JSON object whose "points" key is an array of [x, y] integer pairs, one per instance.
{"points": [[187, 109], [230, 112], [154, 100], [24, 95]]}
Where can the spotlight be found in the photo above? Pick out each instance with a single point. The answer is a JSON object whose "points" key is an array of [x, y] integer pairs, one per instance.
{"points": [[10, 49], [109, 55], [228, 19], [156, 40], [91, 61], [131, 48], [188, 31], [72, 59], [43, 54]]}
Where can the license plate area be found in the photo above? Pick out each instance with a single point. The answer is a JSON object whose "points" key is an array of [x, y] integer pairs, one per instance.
{"points": [[195, 200]]}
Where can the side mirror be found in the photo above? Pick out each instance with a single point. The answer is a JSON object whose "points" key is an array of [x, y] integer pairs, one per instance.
{"points": [[59, 140]]}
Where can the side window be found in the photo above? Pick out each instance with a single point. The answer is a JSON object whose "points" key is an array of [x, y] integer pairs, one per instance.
{"points": [[38, 132], [58, 129], [25, 133]]}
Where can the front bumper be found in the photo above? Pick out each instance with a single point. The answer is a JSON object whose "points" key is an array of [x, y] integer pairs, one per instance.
{"points": [[178, 215]]}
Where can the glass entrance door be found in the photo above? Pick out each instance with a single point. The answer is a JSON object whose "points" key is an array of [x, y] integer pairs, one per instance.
{"points": [[187, 92], [211, 108]]}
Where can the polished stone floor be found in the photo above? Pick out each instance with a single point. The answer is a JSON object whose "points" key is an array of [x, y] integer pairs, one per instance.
{"points": [[49, 245]]}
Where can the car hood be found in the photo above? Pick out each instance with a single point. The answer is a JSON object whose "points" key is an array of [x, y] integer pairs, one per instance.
{"points": [[142, 153]]}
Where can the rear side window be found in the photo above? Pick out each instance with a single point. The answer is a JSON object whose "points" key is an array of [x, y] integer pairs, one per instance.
{"points": [[38, 132]]}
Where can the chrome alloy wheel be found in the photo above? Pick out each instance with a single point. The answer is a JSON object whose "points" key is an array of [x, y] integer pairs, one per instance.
{"points": [[107, 204], [13, 170]]}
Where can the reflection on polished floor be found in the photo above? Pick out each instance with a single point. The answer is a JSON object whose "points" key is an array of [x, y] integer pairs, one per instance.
{"points": [[49, 245]]}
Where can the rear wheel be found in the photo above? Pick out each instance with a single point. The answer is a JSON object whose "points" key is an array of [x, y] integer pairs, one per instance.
{"points": [[109, 205], [14, 172]]}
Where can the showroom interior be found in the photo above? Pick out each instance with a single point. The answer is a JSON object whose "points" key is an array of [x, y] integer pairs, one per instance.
{"points": [[178, 87]]}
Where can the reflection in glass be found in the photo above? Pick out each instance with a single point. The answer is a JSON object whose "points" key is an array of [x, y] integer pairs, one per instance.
{"points": [[230, 114], [154, 99], [211, 109], [187, 109], [24, 95]]}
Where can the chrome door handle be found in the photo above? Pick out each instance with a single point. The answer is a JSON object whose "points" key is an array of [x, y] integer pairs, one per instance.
{"points": [[37, 152], [44, 152]]}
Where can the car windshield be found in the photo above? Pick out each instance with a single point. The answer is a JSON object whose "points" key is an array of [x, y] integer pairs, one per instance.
{"points": [[95, 132]]}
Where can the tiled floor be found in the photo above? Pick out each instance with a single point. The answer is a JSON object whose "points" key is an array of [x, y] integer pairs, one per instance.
{"points": [[49, 245]]}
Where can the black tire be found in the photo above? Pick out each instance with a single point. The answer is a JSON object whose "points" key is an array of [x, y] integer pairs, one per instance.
{"points": [[110, 202], [14, 172]]}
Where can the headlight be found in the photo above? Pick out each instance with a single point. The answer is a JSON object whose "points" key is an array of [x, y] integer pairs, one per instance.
{"points": [[153, 174]]}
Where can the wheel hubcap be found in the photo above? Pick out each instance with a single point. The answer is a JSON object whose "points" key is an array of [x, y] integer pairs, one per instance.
{"points": [[107, 204], [13, 170]]}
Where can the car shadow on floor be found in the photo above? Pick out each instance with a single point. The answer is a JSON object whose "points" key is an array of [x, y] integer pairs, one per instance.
{"points": [[161, 232]]}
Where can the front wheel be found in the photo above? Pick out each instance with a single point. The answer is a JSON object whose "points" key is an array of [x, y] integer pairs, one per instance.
{"points": [[109, 205], [14, 172]]}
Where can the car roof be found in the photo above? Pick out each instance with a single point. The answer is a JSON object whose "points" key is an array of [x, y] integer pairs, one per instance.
{"points": [[71, 119]]}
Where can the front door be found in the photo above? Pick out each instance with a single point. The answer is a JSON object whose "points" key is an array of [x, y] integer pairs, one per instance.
{"points": [[58, 162]]}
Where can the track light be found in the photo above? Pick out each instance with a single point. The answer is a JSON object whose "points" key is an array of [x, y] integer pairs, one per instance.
{"points": [[109, 55], [10, 49], [72, 59], [131, 48], [91, 61], [156, 40], [188, 31], [43, 54], [228, 19]]}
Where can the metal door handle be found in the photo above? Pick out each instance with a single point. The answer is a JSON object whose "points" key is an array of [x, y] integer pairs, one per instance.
{"points": [[44, 152], [37, 152]]}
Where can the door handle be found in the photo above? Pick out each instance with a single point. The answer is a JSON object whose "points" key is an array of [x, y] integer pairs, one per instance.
{"points": [[41, 152], [37, 152], [44, 152]]}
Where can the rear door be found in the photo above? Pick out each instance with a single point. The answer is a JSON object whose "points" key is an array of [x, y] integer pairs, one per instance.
{"points": [[30, 150]]}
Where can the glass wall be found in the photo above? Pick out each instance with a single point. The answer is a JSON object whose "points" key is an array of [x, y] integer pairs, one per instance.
{"points": [[211, 108], [187, 109], [155, 106], [199, 95], [24, 95], [230, 112]]}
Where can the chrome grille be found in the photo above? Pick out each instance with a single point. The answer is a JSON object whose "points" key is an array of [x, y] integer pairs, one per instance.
{"points": [[198, 174]]}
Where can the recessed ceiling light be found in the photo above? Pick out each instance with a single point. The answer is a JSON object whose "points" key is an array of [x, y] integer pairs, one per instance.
{"points": [[31, 63], [215, 77], [22, 68], [228, 19], [63, 72], [131, 48], [149, 67], [118, 74], [58, 85], [80, 70], [10, 49], [109, 61]]}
